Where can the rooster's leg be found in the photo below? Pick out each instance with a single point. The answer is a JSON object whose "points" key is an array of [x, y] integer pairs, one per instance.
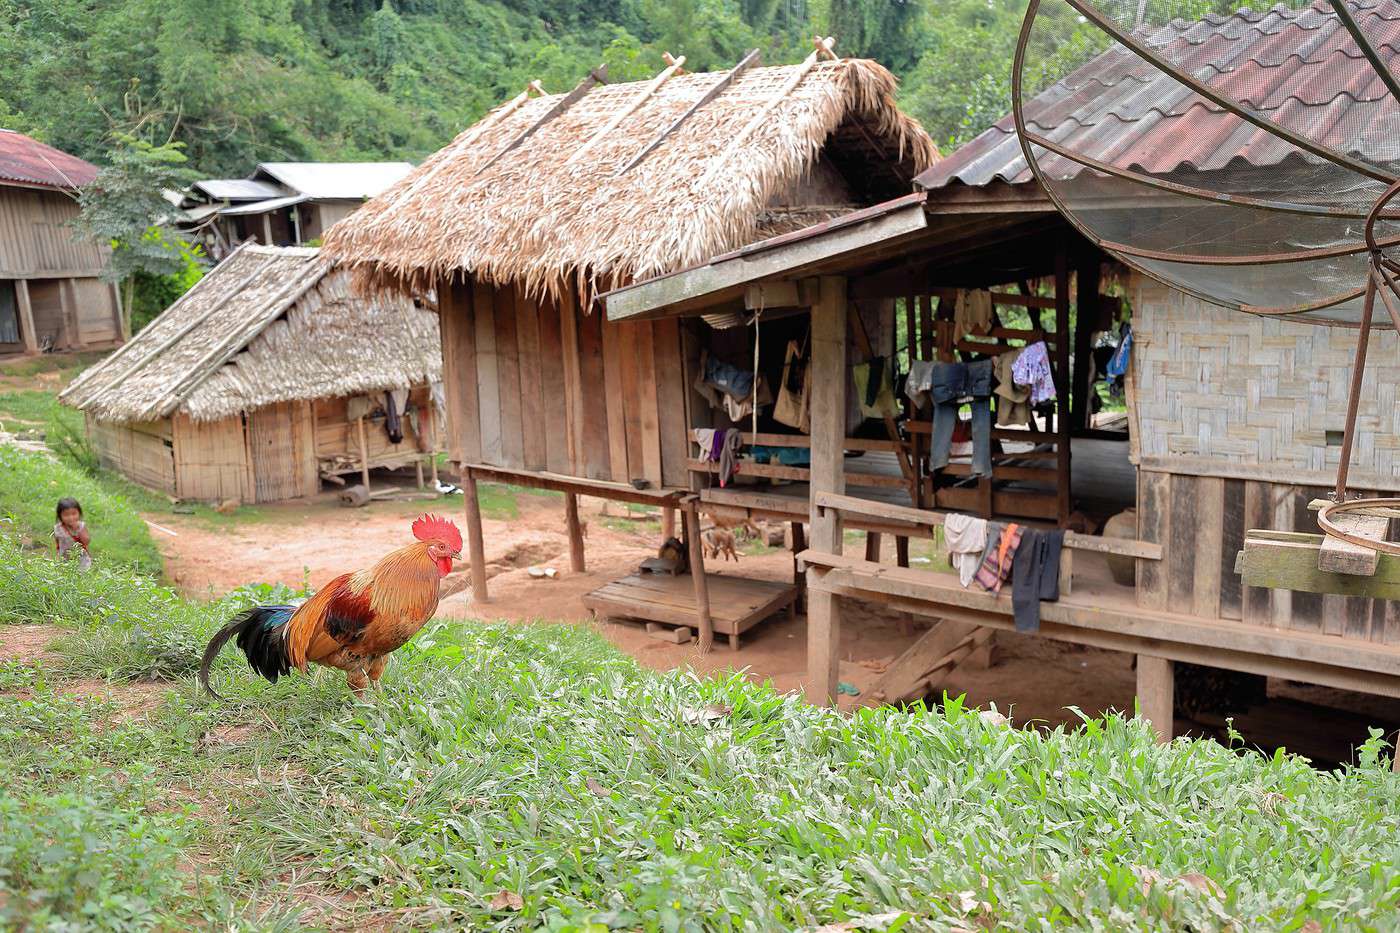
{"points": [[376, 668], [357, 680]]}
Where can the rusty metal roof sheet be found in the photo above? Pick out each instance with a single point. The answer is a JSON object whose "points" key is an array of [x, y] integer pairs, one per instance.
{"points": [[29, 162], [1299, 67]]}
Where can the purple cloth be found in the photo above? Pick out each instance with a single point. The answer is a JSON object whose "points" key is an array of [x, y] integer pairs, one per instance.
{"points": [[1032, 368], [717, 445]]}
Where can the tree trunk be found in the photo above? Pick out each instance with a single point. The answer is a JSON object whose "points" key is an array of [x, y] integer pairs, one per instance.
{"points": [[126, 307]]}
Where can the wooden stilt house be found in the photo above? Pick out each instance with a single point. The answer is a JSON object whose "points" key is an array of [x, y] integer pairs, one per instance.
{"points": [[269, 376], [1233, 422], [522, 219]]}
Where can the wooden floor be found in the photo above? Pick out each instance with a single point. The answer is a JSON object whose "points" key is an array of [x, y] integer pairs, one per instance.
{"points": [[737, 604]]}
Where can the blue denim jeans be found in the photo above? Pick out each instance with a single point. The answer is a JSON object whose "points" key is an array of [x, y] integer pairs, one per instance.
{"points": [[952, 381]]}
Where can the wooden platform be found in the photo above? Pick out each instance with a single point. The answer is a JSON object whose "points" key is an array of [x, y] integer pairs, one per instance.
{"points": [[737, 604]]}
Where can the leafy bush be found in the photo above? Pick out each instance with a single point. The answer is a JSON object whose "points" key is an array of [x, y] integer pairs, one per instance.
{"points": [[34, 484]]}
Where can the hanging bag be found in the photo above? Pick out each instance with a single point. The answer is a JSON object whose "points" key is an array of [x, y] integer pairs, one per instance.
{"points": [[792, 407]]}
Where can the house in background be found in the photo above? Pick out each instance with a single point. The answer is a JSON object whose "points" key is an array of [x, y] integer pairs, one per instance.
{"points": [[282, 203], [240, 389], [51, 293]]}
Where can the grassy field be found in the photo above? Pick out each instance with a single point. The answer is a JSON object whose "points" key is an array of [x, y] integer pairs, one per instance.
{"points": [[528, 776]]}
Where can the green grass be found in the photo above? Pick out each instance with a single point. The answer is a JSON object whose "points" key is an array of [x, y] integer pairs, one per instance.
{"points": [[33, 485], [67, 365], [536, 760], [27, 409]]}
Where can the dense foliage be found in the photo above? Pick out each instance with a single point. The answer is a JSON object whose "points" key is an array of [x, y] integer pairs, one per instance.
{"points": [[516, 776], [239, 81]]}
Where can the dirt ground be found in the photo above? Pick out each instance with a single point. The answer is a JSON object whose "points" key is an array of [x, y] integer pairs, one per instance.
{"points": [[1031, 679]]}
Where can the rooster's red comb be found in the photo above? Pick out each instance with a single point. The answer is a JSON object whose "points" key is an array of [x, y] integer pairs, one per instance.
{"points": [[437, 528]]}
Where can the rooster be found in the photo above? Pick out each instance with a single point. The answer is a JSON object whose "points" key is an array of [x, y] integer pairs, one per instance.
{"points": [[355, 621]]}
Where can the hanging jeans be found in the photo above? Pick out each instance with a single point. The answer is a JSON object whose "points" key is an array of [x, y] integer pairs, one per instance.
{"points": [[952, 381]]}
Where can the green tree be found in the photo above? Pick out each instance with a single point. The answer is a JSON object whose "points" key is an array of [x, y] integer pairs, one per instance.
{"points": [[126, 208]]}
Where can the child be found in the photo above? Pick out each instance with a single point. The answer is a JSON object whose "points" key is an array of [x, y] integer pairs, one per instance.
{"points": [[71, 533]]}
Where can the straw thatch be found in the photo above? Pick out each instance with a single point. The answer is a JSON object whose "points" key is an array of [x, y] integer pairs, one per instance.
{"points": [[266, 325], [536, 218]]}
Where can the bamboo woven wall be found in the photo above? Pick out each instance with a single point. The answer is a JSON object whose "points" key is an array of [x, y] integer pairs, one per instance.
{"points": [[1223, 393], [140, 450]]}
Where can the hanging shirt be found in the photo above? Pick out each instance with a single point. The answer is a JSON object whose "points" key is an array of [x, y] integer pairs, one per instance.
{"points": [[1013, 401], [1032, 368], [965, 536]]}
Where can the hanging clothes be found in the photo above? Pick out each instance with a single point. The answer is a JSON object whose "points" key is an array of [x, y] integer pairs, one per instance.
{"points": [[794, 396], [1035, 576], [705, 440], [875, 389], [1118, 363], [1032, 368], [972, 312], [919, 382], [1013, 401], [965, 536], [393, 425], [729, 456], [997, 561], [952, 383]]}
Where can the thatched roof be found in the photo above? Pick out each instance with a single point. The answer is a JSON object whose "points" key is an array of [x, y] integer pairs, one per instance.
{"points": [[266, 325], [538, 218]]}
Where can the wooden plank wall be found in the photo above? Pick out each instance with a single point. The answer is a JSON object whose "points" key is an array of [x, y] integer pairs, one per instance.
{"points": [[211, 459], [36, 237], [544, 384], [96, 311], [1201, 521], [338, 437], [141, 451]]}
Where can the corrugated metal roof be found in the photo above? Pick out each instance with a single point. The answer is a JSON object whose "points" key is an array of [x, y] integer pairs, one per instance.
{"points": [[336, 181], [30, 162], [238, 189], [1298, 67], [261, 207]]}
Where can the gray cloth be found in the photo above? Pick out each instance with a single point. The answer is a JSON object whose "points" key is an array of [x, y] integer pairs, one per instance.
{"points": [[965, 536], [919, 381], [1035, 575], [729, 456]]}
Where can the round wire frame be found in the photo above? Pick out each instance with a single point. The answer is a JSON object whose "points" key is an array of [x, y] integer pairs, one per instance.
{"points": [[1380, 277]]}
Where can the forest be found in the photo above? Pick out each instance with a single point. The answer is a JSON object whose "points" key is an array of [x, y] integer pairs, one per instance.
{"points": [[242, 81]]}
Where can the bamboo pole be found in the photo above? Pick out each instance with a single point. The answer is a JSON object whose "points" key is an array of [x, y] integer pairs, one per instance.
{"points": [[364, 453], [823, 47], [675, 67]]}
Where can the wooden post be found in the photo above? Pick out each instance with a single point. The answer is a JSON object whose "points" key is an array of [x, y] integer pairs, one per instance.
{"points": [[476, 546], [799, 544], [119, 318], [1155, 694], [1086, 302], [668, 524], [901, 551], [67, 301], [1060, 369], [364, 452], [418, 465], [829, 327], [576, 561], [267, 229], [872, 546], [697, 575], [26, 317]]}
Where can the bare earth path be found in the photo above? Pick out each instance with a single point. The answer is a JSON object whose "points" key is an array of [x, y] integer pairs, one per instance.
{"points": [[316, 541]]}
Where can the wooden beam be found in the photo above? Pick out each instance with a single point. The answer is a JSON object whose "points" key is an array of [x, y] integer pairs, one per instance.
{"points": [[1081, 611], [575, 527], [1086, 302], [687, 291], [704, 622], [476, 545], [711, 94], [900, 682], [364, 452], [674, 67], [1155, 694], [26, 317], [1286, 560], [595, 77], [853, 505], [600, 489], [1338, 556], [829, 331]]}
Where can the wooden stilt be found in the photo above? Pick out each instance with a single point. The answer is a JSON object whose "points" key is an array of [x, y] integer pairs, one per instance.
{"points": [[364, 453], [26, 317], [576, 560], [418, 465], [476, 546], [872, 546], [799, 544], [901, 550], [668, 519], [697, 574], [828, 435], [1155, 687]]}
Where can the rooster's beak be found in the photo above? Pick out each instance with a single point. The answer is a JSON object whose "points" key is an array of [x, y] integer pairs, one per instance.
{"points": [[456, 555]]}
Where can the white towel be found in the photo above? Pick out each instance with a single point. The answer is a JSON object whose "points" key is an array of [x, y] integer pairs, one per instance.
{"points": [[966, 538]]}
